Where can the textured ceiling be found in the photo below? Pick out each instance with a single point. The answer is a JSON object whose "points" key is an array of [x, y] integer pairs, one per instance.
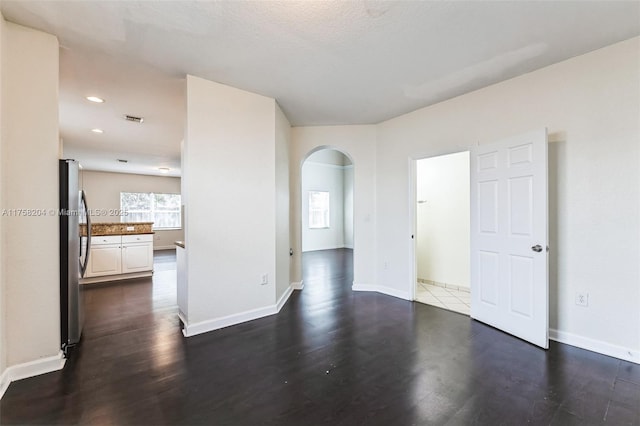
{"points": [[335, 62]]}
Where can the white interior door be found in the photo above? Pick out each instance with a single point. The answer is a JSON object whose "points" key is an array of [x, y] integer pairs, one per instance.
{"points": [[509, 236]]}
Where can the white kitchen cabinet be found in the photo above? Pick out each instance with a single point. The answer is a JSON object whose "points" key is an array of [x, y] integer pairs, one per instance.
{"points": [[104, 259], [115, 257], [137, 253]]}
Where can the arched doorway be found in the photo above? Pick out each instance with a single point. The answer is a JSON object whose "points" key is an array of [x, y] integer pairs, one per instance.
{"points": [[327, 231]]}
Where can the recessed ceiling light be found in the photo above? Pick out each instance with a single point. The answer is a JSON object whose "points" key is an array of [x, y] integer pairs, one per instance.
{"points": [[95, 99], [164, 169], [97, 130]]}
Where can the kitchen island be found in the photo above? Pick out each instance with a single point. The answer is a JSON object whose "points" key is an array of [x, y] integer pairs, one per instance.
{"points": [[119, 251]]}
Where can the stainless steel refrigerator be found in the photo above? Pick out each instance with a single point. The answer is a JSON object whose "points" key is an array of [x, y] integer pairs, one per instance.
{"points": [[75, 241]]}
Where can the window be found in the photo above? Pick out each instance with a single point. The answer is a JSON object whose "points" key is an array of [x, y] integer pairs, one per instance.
{"points": [[318, 209], [161, 209]]}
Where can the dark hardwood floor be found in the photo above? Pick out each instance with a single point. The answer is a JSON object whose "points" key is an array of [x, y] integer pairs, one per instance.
{"points": [[331, 356]]}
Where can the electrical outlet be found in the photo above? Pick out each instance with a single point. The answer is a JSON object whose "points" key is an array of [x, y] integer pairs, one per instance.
{"points": [[582, 299], [265, 279]]}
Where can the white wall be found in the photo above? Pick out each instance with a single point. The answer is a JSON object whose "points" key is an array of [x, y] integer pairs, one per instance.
{"points": [[358, 142], [442, 221], [283, 241], [591, 107], [103, 193], [230, 215], [329, 178], [30, 181]]}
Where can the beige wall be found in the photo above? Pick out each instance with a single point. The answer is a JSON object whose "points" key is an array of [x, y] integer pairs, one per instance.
{"points": [[30, 181], [3, 340], [591, 107], [103, 193], [230, 218]]}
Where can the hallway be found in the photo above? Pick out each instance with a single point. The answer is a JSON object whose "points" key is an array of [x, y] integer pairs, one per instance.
{"points": [[331, 356]]}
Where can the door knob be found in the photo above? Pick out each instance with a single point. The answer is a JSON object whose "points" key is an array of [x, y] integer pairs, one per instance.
{"points": [[537, 248]]}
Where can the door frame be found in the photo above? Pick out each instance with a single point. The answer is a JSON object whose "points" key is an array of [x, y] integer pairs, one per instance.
{"points": [[413, 207]]}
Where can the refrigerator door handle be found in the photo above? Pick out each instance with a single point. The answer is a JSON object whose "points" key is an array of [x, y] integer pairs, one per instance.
{"points": [[83, 267]]}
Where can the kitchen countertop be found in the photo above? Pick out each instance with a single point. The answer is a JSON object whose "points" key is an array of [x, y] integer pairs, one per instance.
{"points": [[118, 228], [122, 223]]}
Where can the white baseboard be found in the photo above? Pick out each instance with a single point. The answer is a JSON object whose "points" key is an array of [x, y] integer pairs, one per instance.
{"points": [[283, 299], [30, 369], [325, 248], [4, 382], [382, 289], [593, 345], [298, 285], [183, 318], [363, 287], [229, 320], [171, 247]]}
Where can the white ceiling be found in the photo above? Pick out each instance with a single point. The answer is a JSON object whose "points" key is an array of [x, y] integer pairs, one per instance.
{"points": [[332, 62]]}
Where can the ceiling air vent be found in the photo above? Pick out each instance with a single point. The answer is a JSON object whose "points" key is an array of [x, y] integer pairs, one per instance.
{"points": [[134, 118]]}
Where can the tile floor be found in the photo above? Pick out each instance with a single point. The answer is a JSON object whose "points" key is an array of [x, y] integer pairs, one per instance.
{"points": [[447, 298]]}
